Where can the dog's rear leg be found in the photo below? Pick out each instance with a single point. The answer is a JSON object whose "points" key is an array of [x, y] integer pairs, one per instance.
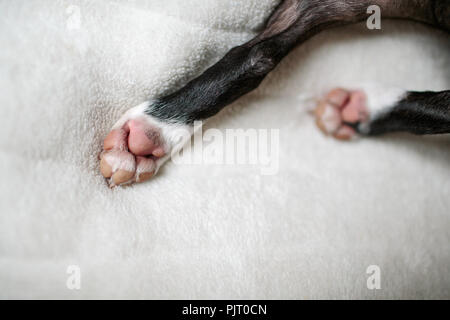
{"points": [[374, 110], [417, 112], [144, 138]]}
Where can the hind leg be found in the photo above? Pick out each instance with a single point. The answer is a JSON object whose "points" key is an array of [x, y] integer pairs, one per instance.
{"points": [[374, 110]]}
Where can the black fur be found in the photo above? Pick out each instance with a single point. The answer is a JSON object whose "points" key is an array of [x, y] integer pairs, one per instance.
{"points": [[240, 71], [293, 22]]}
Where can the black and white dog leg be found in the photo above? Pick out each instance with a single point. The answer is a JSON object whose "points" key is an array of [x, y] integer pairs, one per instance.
{"points": [[138, 144], [376, 110]]}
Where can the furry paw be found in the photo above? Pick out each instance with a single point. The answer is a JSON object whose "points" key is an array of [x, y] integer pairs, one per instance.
{"points": [[137, 146], [344, 114]]}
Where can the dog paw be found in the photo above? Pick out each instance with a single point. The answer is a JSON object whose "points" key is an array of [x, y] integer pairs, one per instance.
{"points": [[137, 146], [345, 114], [339, 110]]}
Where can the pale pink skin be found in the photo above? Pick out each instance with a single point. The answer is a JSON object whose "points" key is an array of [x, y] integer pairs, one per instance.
{"points": [[133, 148], [339, 106]]}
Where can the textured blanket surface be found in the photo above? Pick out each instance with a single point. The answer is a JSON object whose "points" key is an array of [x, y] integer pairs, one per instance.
{"points": [[69, 69]]}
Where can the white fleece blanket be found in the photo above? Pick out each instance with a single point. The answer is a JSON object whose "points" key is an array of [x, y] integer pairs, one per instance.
{"points": [[69, 69]]}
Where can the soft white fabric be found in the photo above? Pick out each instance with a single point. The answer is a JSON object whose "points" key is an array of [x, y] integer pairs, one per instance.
{"points": [[69, 69]]}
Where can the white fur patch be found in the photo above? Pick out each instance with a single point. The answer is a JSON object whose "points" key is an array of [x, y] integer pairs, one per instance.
{"points": [[380, 100], [174, 135]]}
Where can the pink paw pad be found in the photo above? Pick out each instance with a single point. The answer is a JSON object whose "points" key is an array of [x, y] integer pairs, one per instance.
{"points": [[339, 107], [130, 153]]}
